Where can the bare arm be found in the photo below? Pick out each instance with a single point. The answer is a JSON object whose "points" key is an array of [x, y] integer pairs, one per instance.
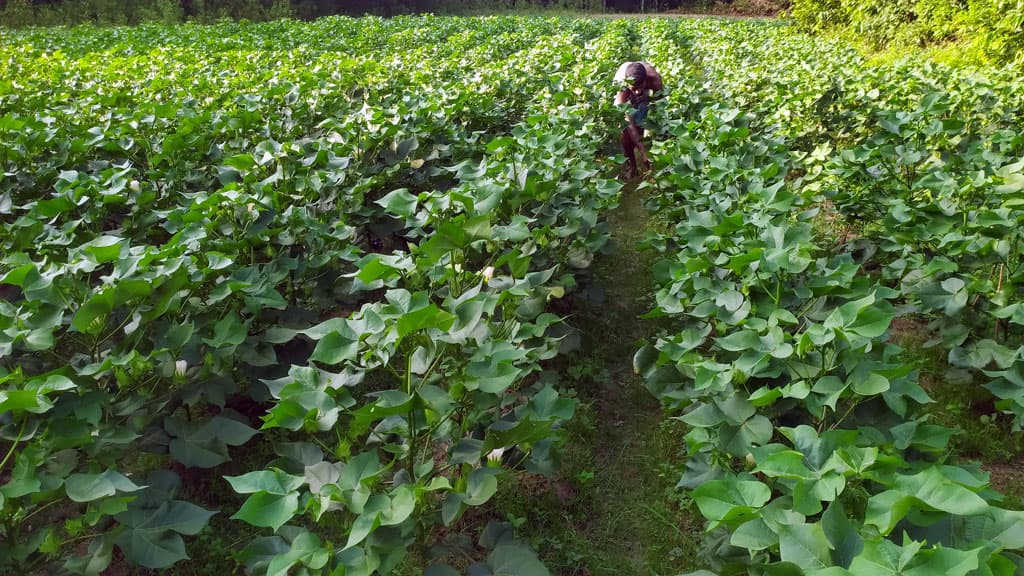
{"points": [[654, 83]]}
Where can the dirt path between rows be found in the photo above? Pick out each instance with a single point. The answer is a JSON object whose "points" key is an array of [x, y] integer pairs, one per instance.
{"points": [[628, 514]]}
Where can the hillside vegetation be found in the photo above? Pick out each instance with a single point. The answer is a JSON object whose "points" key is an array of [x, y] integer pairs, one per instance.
{"points": [[989, 31]]}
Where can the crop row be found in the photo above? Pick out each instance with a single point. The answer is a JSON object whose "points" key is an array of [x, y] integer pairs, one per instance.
{"points": [[923, 163], [337, 258], [811, 450]]}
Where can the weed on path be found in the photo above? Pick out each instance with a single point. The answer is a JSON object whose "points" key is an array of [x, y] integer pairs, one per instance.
{"points": [[614, 508]]}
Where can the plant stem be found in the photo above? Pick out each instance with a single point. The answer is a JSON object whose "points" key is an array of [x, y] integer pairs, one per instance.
{"points": [[322, 445], [82, 537], [41, 508], [845, 414], [433, 365], [14, 445], [412, 413], [124, 323]]}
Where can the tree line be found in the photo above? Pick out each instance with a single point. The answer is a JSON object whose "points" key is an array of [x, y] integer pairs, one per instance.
{"points": [[69, 12]]}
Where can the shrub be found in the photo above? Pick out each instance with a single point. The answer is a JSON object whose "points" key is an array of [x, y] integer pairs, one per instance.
{"points": [[18, 13], [993, 30]]}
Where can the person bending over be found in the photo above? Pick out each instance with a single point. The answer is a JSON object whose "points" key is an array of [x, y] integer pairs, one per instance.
{"points": [[640, 84]]}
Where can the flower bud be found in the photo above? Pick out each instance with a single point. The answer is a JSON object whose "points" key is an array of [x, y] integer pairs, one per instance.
{"points": [[494, 457], [180, 366], [134, 185], [488, 273]]}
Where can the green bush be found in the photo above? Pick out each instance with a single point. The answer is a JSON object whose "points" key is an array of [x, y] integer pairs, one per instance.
{"points": [[997, 28], [818, 15], [989, 30], [17, 13], [164, 11]]}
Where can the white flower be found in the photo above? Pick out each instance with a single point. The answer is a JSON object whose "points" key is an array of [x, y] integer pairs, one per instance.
{"points": [[494, 456], [134, 185], [487, 273], [180, 366]]}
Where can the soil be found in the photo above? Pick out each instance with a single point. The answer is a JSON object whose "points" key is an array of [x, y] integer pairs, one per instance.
{"points": [[1007, 478], [908, 331]]}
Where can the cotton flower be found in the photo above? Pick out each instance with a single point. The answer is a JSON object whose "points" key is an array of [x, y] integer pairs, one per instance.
{"points": [[494, 457], [180, 366], [134, 185], [487, 273]]}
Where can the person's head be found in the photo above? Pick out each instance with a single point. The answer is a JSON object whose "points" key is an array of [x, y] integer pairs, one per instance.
{"points": [[636, 75]]}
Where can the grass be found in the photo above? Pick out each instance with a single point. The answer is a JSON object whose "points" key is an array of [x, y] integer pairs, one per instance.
{"points": [[984, 433]]}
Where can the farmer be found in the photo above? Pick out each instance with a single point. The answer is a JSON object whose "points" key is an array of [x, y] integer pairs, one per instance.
{"points": [[638, 81]]}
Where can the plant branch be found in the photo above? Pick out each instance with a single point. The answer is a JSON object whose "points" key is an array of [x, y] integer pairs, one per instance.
{"points": [[14, 445]]}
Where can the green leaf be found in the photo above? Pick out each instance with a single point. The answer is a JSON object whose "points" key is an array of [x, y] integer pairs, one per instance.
{"points": [[229, 331], [91, 317], [403, 504], [887, 508], [730, 499], [205, 445], [515, 560], [176, 515], [177, 336], [429, 317], [23, 480], [272, 481], [844, 315], [358, 469], [261, 551], [322, 474], [754, 535], [368, 521], [738, 440], [880, 558], [104, 248], [736, 408], [873, 321], [218, 261], [703, 416], [152, 549], [948, 562], [268, 510], [481, 486], [399, 203], [731, 300], [804, 545], [782, 464], [740, 341], [871, 385], [467, 451], [934, 489], [335, 348], [547, 405], [89, 487], [95, 561], [842, 534], [1004, 528], [305, 549]]}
